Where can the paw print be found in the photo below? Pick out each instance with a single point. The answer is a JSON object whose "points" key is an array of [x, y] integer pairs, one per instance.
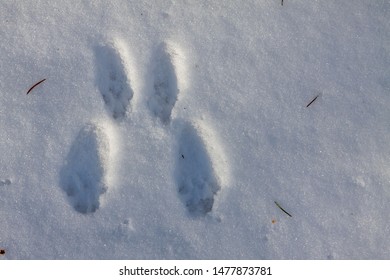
{"points": [[198, 173]]}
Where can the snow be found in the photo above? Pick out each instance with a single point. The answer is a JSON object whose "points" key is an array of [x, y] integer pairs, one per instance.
{"points": [[168, 129]]}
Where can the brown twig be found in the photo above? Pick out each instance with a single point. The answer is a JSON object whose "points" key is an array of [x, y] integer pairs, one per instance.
{"points": [[31, 88]]}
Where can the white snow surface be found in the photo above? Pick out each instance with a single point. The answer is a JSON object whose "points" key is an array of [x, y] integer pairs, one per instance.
{"points": [[168, 129]]}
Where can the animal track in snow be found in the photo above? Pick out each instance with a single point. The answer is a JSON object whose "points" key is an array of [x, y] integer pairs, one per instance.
{"points": [[83, 177], [200, 165], [112, 79], [5, 182], [165, 83], [197, 176]]}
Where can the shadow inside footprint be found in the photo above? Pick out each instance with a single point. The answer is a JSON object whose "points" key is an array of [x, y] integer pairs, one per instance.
{"points": [[165, 87], [112, 81], [197, 183], [83, 175], [5, 182]]}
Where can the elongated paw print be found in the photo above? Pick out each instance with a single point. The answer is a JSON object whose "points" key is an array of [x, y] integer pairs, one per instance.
{"points": [[83, 177], [113, 80], [165, 84], [197, 181]]}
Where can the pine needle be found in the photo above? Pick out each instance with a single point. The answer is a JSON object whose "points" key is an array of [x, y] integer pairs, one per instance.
{"points": [[280, 207]]}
